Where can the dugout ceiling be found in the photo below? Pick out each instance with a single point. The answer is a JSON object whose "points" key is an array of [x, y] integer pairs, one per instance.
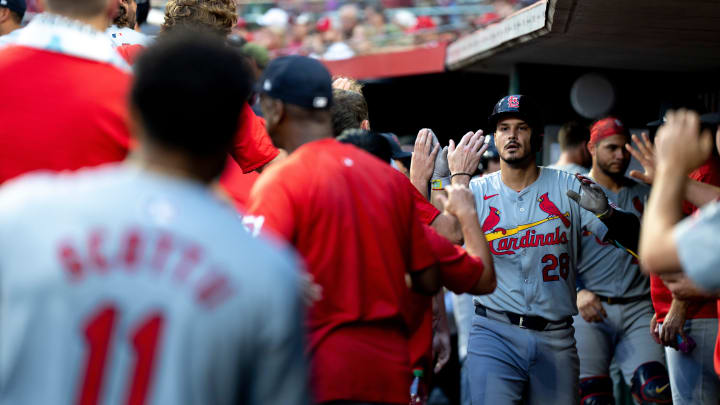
{"points": [[651, 35]]}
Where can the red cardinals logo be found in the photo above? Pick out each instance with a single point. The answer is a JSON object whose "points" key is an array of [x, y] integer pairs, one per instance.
{"points": [[639, 206], [513, 102], [492, 220], [551, 209]]}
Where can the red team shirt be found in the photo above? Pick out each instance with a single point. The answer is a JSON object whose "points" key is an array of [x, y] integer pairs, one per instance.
{"points": [[662, 297], [60, 112], [349, 216]]}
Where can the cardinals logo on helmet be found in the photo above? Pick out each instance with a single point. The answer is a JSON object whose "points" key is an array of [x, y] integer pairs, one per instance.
{"points": [[513, 102], [552, 210]]}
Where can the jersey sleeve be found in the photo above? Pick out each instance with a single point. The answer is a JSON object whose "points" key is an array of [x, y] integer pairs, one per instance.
{"points": [[696, 247], [459, 271], [252, 148], [424, 209], [588, 219], [271, 203], [421, 256], [280, 375]]}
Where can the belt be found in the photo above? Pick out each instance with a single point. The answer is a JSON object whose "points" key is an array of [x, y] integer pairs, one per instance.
{"points": [[622, 300], [537, 323]]}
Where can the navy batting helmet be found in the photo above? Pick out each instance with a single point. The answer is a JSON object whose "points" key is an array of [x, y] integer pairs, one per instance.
{"points": [[522, 107]]}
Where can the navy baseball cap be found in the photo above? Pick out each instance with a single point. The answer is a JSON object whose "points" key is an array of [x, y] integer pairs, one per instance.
{"points": [[17, 6], [397, 152], [298, 80]]}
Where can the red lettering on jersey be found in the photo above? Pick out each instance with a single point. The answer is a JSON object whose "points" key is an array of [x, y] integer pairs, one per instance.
{"points": [[188, 261], [213, 289], [96, 257], [162, 251], [71, 261], [130, 255], [508, 246]]}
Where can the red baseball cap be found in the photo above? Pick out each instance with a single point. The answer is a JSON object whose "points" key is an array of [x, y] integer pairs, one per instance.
{"points": [[605, 128]]}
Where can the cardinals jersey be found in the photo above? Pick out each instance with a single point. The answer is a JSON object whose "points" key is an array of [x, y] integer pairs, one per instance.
{"points": [[126, 36], [119, 286], [534, 236], [605, 269]]}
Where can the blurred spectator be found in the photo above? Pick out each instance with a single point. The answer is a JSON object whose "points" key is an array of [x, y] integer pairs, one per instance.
{"points": [[349, 17], [11, 15], [217, 16], [122, 31]]}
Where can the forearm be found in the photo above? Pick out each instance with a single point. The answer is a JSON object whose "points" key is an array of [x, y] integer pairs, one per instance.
{"points": [[449, 227], [679, 306], [657, 247], [476, 245], [421, 184], [434, 200], [623, 228], [699, 194], [461, 180]]}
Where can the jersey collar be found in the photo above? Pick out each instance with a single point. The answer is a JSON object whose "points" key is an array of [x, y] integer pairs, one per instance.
{"points": [[63, 35]]}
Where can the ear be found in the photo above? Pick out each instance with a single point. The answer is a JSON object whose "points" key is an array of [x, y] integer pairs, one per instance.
{"points": [[4, 14], [365, 125], [591, 148]]}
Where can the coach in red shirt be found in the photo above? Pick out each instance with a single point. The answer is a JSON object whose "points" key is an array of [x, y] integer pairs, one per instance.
{"points": [[351, 218], [67, 90]]}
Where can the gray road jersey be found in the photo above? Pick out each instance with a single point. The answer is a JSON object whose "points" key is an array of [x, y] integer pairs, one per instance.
{"points": [[607, 270], [697, 247], [119, 286], [535, 252]]}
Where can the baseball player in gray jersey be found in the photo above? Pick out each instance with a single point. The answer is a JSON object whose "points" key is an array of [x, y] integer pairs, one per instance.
{"points": [[522, 343], [613, 295], [132, 283]]}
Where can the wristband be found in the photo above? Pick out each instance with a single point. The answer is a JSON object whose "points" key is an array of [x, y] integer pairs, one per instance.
{"points": [[605, 214], [460, 174], [439, 184]]}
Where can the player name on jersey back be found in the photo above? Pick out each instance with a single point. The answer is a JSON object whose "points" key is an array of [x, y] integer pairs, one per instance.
{"points": [[136, 251]]}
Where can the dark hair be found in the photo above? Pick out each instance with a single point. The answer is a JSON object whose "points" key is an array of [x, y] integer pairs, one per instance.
{"points": [[16, 17], [189, 90], [573, 134], [75, 8], [368, 141], [349, 110]]}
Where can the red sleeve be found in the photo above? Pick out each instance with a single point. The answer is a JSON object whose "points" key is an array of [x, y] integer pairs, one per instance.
{"points": [[425, 211], [459, 271], [272, 200], [130, 52], [420, 250], [252, 148]]}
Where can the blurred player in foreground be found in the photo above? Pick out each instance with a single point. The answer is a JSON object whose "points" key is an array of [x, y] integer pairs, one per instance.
{"points": [[670, 244], [141, 287]]}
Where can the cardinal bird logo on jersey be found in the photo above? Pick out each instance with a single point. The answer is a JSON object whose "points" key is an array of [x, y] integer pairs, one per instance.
{"points": [[492, 220], [639, 206], [552, 210]]}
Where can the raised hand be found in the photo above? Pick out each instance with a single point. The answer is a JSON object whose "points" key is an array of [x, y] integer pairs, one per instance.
{"points": [[591, 196], [465, 157], [644, 153], [680, 144], [422, 165], [459, 202]]}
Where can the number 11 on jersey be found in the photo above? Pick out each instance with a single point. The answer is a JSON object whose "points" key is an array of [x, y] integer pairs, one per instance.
{"points": [[143, 338]]}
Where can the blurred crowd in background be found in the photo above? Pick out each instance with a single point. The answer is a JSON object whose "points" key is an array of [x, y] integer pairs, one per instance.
{"points": [[334, 30]]}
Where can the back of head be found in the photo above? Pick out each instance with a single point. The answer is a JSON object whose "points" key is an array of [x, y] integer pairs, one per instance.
{"points": [[215, 16], [368, 141], [348, 111], [78, 8], [572, 135], [189, 90]]}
